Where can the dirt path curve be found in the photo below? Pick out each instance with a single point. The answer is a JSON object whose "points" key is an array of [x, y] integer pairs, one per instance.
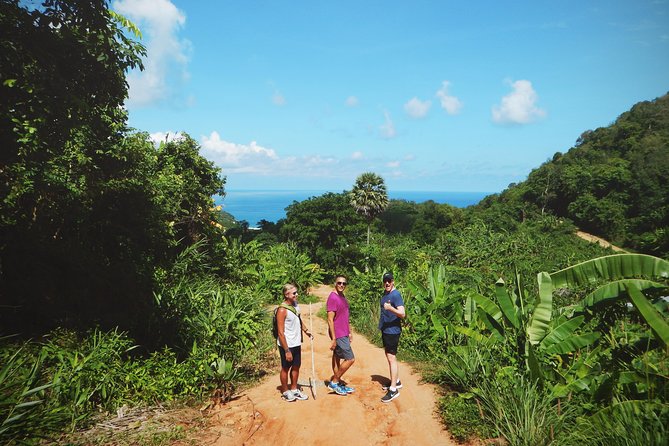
{"points": [[603, 243], [260, 417]]}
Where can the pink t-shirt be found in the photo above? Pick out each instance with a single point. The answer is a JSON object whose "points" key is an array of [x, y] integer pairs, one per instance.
{"points": [[339, 305]]}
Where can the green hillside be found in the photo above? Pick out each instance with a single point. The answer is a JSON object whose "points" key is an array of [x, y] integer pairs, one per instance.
{"points": [[613, 183]]}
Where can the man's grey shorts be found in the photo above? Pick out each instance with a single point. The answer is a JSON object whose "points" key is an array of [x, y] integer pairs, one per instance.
{"points": [[343, 349]]}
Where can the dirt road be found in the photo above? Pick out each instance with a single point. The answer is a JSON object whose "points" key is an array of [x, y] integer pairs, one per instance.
{"points": [[260, 417]]}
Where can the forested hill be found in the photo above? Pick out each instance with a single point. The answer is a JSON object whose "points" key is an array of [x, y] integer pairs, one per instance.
{"points": [[613, 183]]}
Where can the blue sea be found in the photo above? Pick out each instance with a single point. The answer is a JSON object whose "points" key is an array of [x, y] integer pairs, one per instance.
{"points": [[270, 205]]}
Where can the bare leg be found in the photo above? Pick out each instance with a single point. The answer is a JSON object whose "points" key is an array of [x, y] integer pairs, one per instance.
{"points": [[343, 367], [393, 368], [294, 375], [335, 365], [283, 376]]}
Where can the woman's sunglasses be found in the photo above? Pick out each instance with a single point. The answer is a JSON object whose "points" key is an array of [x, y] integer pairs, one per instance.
{"points": [[342, 283]]}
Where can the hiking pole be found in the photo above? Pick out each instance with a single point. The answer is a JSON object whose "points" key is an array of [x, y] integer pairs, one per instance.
{"points": [[312, 378]]}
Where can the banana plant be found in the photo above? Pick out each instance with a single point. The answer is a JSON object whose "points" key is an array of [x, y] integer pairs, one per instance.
{"points": [[436, 307], [513, 319], [529, 324], [627, 276]]}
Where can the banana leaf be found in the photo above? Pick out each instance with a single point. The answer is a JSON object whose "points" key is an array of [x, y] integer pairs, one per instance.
{"points": [[609, 268], [470, 309], [615, 290], [533, 364], [437, 325], [475, 335], [506, 304], [488, 306], [562, 332], [653, 318], [572, 344], [541, 316]]}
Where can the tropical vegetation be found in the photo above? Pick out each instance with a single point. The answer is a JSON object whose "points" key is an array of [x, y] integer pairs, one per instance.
{"points": [[122, 285]]}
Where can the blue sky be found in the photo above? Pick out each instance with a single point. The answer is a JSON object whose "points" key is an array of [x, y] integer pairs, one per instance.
{"points": [[431, 95]]}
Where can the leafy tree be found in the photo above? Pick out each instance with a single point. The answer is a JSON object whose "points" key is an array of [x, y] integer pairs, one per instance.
{"points": [[369, 197], [399, 217], [88, 211], [63, 85], [327, 228], [431, 218]]}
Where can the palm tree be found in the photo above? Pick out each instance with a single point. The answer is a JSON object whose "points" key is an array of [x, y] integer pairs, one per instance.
{"points": [[369, 197]]}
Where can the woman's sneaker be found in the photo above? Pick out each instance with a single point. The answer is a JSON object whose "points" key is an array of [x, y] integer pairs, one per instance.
{"points": [[339, 390], [288, 395], [388, 397], [397, 386], [347, 389], [299, 395]]}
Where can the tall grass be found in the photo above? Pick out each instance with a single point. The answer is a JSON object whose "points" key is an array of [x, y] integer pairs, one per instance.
{"points": [[625, 423], [521, 412]]}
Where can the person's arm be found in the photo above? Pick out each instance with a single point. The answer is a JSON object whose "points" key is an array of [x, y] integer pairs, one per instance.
{"points": [[399, 311], [331, 330], [281, 325], [306, 330]]}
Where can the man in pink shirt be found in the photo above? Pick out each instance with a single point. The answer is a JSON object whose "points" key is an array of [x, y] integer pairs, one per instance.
{"points": [[340, 332]]}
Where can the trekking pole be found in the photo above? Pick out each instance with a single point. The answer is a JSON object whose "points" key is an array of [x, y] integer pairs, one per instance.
{"points": [[312, 379]]}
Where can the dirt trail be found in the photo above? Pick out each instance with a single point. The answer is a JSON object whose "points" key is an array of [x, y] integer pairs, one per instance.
{"points": [[260, 417], [603, 243]]}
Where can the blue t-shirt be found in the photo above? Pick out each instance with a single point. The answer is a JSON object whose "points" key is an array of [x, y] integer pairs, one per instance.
{"points": [[389, 323]]}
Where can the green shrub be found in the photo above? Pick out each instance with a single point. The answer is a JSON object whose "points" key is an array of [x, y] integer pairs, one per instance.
{"points": [[463, 419], [281, 264]]}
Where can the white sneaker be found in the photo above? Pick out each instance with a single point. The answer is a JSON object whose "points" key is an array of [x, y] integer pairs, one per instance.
{"points": [[298, 394], [288, 395]]}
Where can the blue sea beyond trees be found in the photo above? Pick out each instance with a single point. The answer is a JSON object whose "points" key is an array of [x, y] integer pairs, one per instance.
{"points": [[255, 205]]}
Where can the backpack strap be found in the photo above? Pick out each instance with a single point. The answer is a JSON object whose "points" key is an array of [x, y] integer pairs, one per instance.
{"points": [[289, 308]]}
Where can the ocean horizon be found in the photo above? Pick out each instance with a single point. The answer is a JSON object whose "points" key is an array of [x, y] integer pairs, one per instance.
{"points": [[255, 205]]}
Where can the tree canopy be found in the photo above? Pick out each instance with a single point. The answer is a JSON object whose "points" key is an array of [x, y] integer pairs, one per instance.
{"points": [[613, 183], [90, 211]]}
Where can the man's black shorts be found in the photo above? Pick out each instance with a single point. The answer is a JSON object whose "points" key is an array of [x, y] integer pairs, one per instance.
{"points": [[390, 342], [297, 357]]}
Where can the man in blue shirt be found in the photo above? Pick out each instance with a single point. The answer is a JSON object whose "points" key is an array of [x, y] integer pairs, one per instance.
{"points": [[390, 324]]}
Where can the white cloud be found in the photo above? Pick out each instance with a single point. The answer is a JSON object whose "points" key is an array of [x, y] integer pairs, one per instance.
{"points": [[417, 108], [237, 157], [352, 101], [254, 159], [357, 155], [451, 104], [393, 164], [166, 64], [518, 107], [388, 127]]}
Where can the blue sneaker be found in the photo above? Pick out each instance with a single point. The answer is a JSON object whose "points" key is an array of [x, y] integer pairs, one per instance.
{"points": [[339, 390], [347, 389]]}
